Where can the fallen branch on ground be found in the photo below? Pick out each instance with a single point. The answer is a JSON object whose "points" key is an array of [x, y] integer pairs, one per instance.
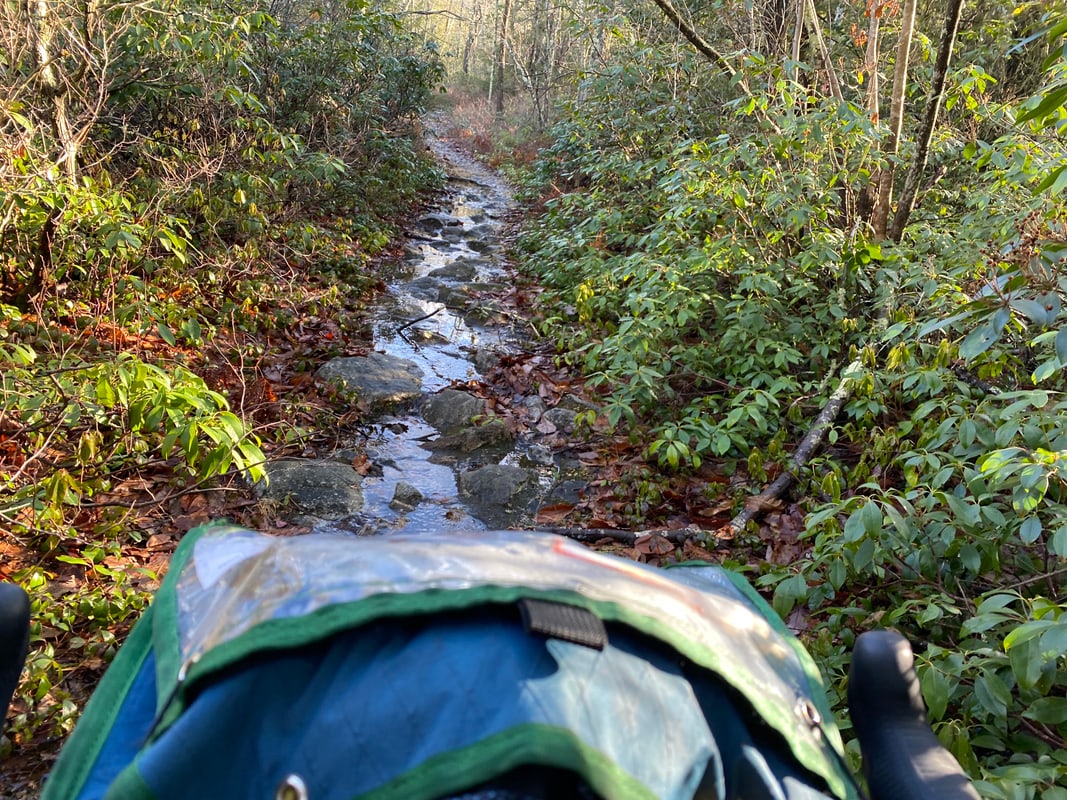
{"points": [[629, 538], [808, 445]]}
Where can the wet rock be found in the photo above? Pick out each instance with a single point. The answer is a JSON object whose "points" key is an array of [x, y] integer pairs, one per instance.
{"points": [[484, 233], [494, 485], [567, 492], [482, 246], [405, 497], [485, 359], [325, 489], [376, 378], [489, 433], [455, 297], [435, 221], [402, 309], [425, 336], [534, 404], [447, 220], [425, 288], [484, 310], [562, 418], [538, 455], [452, 409], [456, 271]]}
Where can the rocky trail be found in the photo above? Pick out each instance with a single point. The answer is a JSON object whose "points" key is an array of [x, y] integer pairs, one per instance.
{"points": [[438, 453]]}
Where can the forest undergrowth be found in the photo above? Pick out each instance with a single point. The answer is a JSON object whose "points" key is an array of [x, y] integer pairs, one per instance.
{"points": [[710, 264], [191, 204]]}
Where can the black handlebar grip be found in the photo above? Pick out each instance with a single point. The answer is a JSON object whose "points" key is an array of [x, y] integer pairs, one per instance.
{"points": [[14, 640], [902, 758]]}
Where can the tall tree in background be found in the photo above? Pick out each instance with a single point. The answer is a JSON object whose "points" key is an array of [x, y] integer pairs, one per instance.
{"points": [[501, 53], [884, 195], [926, 131]]}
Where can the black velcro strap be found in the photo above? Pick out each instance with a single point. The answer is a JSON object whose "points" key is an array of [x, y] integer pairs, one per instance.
{"points": [[561, 621]]}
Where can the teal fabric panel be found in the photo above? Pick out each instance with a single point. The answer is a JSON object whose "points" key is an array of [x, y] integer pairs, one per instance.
{"points": [[354, 713]]}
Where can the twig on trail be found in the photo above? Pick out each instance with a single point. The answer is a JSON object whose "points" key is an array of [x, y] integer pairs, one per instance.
{"points": [[808, 445], [471, 181], [409, 323], [626, 537]]}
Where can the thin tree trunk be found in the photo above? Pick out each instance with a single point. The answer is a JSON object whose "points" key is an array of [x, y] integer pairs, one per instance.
{"points": [[798, 39], [695, 38], [926, 132], [40, 22], [869, 194], [884, 197], [498, 67], [824, 52], [870, 66]]}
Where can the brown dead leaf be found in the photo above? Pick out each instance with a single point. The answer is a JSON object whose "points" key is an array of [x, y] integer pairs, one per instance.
{"points": [[362, 464], [723, 507], [160, 541], [551, 515], [186, 522], [799, 620], [761, 505], [691, 551], [194, 503], [546, 427], [652, 544]]}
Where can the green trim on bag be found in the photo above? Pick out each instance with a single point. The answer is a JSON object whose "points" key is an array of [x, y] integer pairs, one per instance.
{"points": [[811, 669], [82, 749], [536, 744], [290, 633], [130, 785], [167, 641]]}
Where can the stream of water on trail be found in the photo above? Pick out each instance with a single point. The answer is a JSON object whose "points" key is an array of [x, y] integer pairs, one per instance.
{"points": [[451, 251]]}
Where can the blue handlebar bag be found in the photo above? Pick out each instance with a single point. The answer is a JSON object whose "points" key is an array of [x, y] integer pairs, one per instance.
{"points": [[327, 666]]}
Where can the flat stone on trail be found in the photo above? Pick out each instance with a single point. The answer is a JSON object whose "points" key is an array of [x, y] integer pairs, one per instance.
{"points": [[562, 418], [494, 485], [377, 378], [457, 271], [326, 489], [452, 409], [492, 432]]}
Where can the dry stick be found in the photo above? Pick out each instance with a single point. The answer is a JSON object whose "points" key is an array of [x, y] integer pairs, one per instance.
{"points": [[625, 537], [808, 445], [409, 323], [698, 41]]}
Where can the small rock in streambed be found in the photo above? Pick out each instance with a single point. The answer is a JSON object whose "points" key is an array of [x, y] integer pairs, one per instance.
{"points": [[451, 409], [405, 497]]}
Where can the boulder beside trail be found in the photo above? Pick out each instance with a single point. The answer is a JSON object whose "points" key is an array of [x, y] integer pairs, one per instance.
{"points": [[494, 485]]}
